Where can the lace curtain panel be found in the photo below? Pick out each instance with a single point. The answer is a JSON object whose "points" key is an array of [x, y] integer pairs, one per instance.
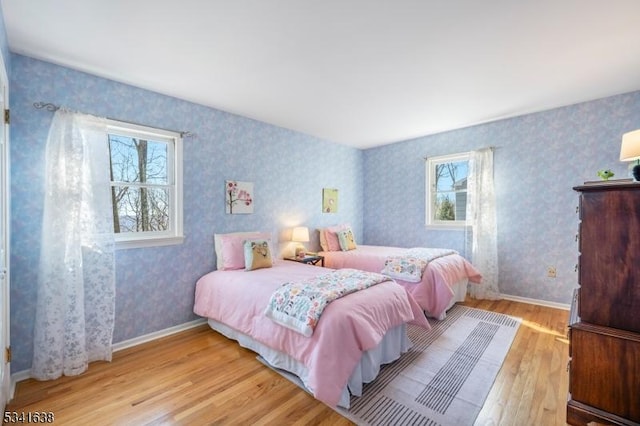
{"points": [[76, 278], [481, 214]]}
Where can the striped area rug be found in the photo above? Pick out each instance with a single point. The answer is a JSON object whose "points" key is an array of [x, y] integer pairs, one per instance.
{"points": [[445, 378]]}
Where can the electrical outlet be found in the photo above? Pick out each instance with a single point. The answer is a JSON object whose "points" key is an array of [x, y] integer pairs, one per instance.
{"points": [[551, 271]]}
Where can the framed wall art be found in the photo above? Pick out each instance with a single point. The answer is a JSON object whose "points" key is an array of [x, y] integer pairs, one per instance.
{"points": [[238, 197], [329, 200]]}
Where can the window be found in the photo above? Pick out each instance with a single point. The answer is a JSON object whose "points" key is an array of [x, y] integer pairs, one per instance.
{"points": [[447, 190], [146, 185]]}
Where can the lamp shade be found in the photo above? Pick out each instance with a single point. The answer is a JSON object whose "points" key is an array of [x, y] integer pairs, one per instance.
{"points": [[630, 148], [300, 234]]}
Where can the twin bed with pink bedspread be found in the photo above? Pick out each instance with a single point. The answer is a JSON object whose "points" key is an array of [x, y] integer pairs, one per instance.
{"points": [[444, 280], [333, 345], [355, 335]]}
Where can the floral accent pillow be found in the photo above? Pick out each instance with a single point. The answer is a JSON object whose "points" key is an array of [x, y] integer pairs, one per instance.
{"points": [[347, 240], [404, 268]]}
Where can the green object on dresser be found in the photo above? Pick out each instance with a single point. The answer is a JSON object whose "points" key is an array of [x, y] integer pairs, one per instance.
{"points": [[606, 174]]}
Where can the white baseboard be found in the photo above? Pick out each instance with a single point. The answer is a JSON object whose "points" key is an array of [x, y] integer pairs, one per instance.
{"points": [[26, 374], [157, 335], [564, 306]]}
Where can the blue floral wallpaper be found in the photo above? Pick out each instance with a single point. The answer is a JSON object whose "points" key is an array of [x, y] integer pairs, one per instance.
{"points": [[538, 159], [155, 286]]}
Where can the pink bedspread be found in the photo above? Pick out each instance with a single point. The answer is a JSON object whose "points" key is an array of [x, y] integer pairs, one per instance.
{"points": [[433, 293], [348, 326]]}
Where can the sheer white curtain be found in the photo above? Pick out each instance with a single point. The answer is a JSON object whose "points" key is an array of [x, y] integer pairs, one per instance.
{"points": [[76, 277], [481, 215]]}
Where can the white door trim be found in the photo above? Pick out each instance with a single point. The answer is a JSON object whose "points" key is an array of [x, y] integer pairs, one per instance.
{"points": [[6, 388]]}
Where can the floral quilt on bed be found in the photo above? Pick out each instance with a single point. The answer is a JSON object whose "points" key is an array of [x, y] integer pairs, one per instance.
{"points": [[410, 265], [298, 305]]}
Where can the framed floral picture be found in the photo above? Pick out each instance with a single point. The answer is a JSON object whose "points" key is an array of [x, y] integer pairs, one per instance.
{"points": [[329, 200], [238, 197]]}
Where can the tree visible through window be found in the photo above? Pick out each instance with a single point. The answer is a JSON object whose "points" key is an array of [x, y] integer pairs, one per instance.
{"points": [[447, 189], [144, 184], [141, 196]]}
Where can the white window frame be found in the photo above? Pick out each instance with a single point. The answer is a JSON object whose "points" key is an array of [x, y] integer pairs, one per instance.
{"points": [[174, 235], [430, 185]]}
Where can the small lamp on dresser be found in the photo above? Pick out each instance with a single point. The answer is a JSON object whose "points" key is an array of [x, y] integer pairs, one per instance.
{"points": [[300, 234], [630, 151]]}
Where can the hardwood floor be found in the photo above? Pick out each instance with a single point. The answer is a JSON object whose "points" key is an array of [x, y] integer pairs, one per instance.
{"points": [[532, 386], [199, 377]]}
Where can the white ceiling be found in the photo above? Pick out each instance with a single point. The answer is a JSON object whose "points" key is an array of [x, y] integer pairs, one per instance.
{"points": [[358, 72]]}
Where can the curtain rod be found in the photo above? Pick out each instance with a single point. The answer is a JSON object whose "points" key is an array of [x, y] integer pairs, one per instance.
{"points": [[492, 148], [53, 107]]}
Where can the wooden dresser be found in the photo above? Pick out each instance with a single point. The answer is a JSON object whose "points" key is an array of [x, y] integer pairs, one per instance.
{"points": [[604, 329]]}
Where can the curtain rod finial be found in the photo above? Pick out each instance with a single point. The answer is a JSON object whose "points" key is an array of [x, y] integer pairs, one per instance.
{"points": [[48, 106]]}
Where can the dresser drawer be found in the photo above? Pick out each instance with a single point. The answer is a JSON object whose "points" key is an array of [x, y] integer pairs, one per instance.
{"points": [[605, 369], [609, 272]]}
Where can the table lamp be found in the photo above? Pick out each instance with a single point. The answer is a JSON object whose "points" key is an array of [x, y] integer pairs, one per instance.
{"points": [[300, 234], [630, 151]]}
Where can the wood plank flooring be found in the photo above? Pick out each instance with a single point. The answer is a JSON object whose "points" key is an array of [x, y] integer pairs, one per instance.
{"points": [[198, 377]]}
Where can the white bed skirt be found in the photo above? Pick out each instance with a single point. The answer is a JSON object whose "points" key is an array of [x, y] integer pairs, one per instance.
{"points": [[395, 343], [459, 295]]}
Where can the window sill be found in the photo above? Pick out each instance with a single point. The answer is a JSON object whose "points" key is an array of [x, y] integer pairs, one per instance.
{"points": [[448, 227], [148, 242]]}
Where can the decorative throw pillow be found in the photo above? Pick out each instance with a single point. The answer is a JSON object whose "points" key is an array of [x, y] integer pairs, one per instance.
{"points": [[230, 248], [331, 236], [217, 238], [347, 240], [257, 254], [323, 239]]}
